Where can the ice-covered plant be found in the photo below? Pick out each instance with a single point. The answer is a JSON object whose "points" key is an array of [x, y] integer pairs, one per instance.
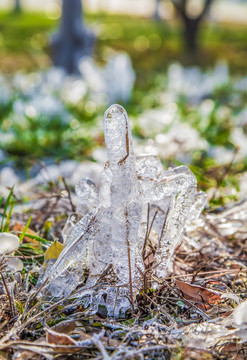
{"points": [[127, 230]]}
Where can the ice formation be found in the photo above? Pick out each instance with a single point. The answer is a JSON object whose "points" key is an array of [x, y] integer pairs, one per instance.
{"points": [[193, 84], [128, 229]]}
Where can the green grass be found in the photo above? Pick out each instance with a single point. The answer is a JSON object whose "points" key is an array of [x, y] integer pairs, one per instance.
{"points": [[151, 45]]}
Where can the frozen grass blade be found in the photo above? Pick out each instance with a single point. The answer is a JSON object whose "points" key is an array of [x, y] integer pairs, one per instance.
{"points": [[8, 295]]}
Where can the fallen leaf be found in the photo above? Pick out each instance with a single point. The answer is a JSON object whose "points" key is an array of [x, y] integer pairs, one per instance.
{"points": [[20, 228], [202, 297], [42, 348], [65, 327], [54, 337], [53, 251], [26, 355]]}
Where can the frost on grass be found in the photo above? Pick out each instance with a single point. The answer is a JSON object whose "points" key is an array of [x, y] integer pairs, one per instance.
{"points": [[127, 230]]}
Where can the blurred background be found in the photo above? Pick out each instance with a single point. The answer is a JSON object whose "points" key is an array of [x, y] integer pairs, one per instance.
{"points": [[177, 66]]}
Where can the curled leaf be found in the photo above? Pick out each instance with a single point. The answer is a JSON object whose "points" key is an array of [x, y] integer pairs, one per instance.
{"points": [[202, 297], [65, 327], [57, 338]]}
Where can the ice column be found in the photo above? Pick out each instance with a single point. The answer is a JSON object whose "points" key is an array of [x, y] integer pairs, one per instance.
{"points": [[132, 225], [125, 192]]}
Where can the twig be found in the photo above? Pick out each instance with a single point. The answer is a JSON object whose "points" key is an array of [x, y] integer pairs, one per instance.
{"points": [[69, 194], [115, 303], [146, 235], [35, 317], [144, 256], [161, 308], [188, 302], [131, 354], [105, 272], [96, 341], [204, 265], [8, 295], [129, 259], [216, 272], [164, 227], [148, 230], [225, 172], [152, 222], [53, 207], [32, 296], [127, 143]]}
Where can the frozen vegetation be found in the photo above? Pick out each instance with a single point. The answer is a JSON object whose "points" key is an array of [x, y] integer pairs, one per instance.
{"points": [[128, 229], [209, 118], [136, 237], [37, 103], [198, 111], [188, 124]]}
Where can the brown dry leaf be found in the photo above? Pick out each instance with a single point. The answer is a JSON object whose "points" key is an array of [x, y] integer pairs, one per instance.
{"points": [[57, 338], [27, 355], [43, 348], [149, 260], [65, 327], [202, 297], [18, 227], [230, 346], [62, 343]]}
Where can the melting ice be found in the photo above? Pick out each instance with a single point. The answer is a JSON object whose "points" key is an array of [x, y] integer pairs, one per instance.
{"points": [[128, 229]]}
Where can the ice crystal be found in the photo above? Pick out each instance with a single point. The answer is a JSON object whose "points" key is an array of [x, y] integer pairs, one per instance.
{"points": [[126, 230]]}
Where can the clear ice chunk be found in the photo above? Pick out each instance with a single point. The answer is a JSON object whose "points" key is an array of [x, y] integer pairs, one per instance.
{"points": [[87, 193], [130, 225]]}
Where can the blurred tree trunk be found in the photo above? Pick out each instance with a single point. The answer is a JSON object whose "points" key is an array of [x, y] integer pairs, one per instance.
{"points": [[191, 24], [73, 40], [191, 27], [17, 8], [156, 15]]}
